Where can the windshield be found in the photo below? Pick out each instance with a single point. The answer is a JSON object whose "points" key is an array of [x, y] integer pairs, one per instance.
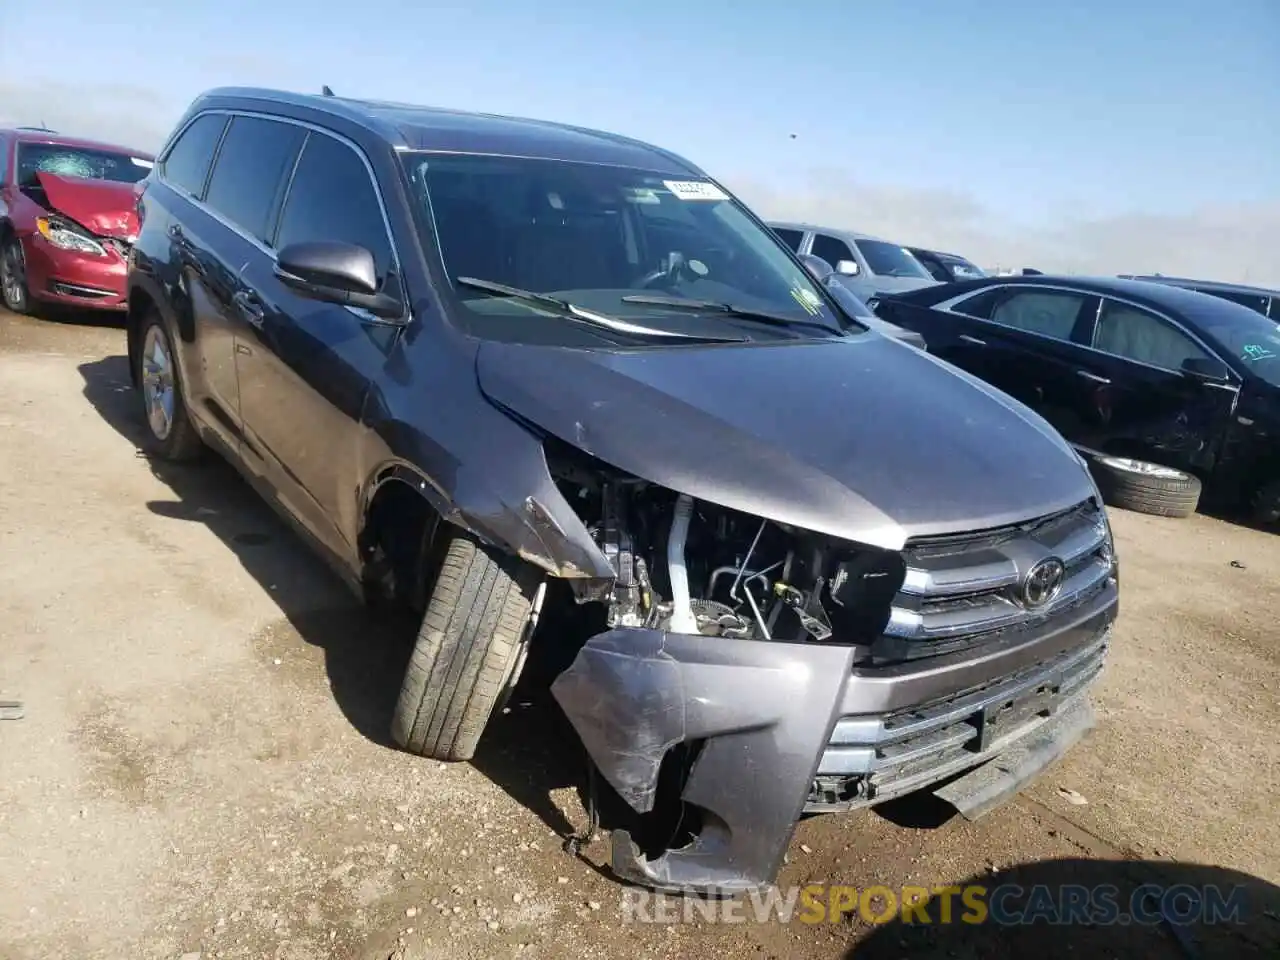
{"points": [[1249, 337], [962, 269], [889, 260], [625, 243], [83, 162]]}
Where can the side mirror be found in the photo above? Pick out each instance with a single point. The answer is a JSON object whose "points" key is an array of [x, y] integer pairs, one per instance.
{"points": [[336, 273], [816, 266], [848, 268], [1206, 368]]}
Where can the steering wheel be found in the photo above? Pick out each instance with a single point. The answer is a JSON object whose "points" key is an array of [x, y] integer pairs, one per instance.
{"points": [[650, 279]]}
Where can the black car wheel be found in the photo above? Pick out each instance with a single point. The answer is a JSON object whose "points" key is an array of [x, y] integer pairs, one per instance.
{"points": [[1146, 487], [1266, 503], [468, 652], [13, 276]]}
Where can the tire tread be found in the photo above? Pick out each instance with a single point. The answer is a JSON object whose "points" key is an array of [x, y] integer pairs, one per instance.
{"points": [[470, 633]]}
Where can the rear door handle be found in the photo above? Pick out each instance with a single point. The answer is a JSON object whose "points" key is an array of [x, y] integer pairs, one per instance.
{"points": [[1092, 376], [250, 308], [973, 340]]}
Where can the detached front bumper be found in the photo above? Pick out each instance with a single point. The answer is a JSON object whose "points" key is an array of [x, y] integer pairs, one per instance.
{"points": [[787, 728], [76, 279]]}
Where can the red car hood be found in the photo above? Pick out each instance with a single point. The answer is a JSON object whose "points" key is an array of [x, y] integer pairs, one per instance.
{"points": [[105, 208]]}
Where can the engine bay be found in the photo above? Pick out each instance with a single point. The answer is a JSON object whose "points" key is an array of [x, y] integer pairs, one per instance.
{"points": [[689, 566]]}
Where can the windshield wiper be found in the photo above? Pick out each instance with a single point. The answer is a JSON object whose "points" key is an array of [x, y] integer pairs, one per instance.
{"points": [[732, 310], [575, 312]]}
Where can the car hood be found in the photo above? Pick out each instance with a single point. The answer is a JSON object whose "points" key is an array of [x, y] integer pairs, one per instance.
{"points": [[100, 206], [885, 284], [865, 439]]}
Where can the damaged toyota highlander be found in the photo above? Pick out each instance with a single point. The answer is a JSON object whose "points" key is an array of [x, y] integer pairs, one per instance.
{"points": [[482, 362]]}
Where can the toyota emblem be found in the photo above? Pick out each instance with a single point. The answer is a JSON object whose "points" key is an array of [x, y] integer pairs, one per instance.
{"points": [[1043, 581]]}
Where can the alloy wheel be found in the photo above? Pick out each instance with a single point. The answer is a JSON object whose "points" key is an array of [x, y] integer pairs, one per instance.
{"points": [[158, 381]]}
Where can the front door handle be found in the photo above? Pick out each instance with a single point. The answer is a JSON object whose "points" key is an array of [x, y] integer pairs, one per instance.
{"points": [[973, 340], [250, 308], [1092, 376]]}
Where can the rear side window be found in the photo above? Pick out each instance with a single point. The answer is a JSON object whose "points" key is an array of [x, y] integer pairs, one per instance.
{"points": [[980, 304], [791, 238], [5, 149], [256, 157], [1050, 313], [333, 198], [830, 249], [187, 163]]}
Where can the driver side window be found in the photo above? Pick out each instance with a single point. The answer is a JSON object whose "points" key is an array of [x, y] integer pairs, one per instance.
{"points": [[332, 197], [1137, 334], [831, 249]]}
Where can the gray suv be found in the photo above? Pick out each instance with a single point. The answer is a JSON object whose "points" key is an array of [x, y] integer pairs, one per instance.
{"points": [[489, 365], [868, 266]]}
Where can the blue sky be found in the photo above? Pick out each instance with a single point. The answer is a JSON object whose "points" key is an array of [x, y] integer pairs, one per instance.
{"points": [[1030, 112]]}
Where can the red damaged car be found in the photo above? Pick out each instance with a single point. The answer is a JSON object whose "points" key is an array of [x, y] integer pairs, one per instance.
{"points": [[68, 218]]}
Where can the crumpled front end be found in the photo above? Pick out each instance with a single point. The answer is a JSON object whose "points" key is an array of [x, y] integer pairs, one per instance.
{"points": [[78, 252], [804, 673]]}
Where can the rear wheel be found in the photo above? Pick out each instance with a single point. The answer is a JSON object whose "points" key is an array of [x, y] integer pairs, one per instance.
{"points": [[469, 650], [170, 433], [13, 276], [1146, 487]]}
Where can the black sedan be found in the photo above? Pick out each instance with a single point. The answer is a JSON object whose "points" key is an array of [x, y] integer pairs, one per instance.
{"points": [[1165, 387]]}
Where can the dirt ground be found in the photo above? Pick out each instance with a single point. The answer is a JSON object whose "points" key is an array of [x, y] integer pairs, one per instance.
{"points": [[203, 766]]}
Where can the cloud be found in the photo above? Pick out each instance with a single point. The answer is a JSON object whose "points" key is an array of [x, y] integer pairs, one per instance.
{"points": [[1227, 242], [117, 113], [1234, 243]]}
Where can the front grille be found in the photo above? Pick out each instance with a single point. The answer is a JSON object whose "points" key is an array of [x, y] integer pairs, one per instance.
{"points": [[966, 589], [962, 591], [877, 757]]}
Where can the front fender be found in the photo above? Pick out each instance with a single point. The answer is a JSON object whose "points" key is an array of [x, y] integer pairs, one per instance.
{"points": [[540, 528]]}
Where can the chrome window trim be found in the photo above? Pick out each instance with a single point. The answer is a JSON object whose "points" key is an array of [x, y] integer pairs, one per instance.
{"points": [[396, 264], [947, 306]]}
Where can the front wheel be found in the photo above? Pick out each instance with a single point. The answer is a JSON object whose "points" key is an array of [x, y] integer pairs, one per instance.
{"points": [[13, 277], [468, 652], [1266, 503], [170, 433]]}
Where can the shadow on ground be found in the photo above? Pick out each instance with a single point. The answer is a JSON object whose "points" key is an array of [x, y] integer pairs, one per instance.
{"points": [[530, 751], [365, 650], [1091, 908]]}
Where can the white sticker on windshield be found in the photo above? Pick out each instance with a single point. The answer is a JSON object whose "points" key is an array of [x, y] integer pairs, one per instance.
{"points": [[139, 162], [695, 190]]}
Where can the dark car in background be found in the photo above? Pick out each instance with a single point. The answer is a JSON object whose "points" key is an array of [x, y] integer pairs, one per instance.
{"points": [[488, 364], [947, 267], [1262, 299], [1169, 390], [67, 219]]}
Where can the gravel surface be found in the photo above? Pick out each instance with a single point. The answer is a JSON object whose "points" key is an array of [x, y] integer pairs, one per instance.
{"points": [[203, 768]]}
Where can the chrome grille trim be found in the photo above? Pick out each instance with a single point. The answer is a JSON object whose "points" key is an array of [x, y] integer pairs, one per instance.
{"points": [[968, 584], [898, 752]]}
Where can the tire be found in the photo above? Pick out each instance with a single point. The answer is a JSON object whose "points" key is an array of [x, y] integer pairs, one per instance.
{"points": [[472, 639], [178, 440], [1146, 487], [13, 277], [1266, 503]]}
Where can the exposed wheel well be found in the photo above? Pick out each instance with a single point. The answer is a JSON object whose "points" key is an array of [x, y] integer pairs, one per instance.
{"points": [[396, 545], [140, 306]]}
